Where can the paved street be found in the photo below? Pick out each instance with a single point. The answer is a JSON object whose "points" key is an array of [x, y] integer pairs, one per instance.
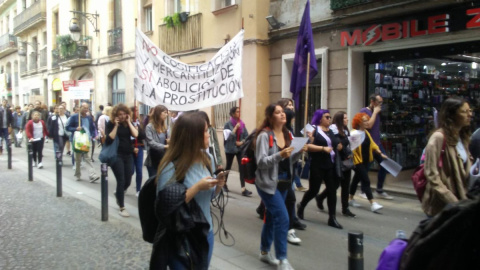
{"points": [[40, 231]]}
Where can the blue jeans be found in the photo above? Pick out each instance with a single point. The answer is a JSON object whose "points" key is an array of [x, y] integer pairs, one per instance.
{"points": [[275, 228], [138, 167], [175, 264]]}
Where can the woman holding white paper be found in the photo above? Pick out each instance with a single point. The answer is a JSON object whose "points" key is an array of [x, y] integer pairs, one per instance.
{"points": [[362, 157]]}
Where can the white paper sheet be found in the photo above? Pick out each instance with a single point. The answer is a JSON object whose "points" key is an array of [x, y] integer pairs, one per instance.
{"points": [[391, 166], [226, 133], [308, 128], [298, 143]]}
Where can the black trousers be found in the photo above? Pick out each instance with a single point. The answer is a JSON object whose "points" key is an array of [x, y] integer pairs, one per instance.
{"points": [[37, 148], [317, 176], [122, 169], [229, 165], [345, 185], [361, 175]]}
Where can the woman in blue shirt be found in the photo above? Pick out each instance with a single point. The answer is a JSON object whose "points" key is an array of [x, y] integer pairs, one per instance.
{"points": [[194, 168]]}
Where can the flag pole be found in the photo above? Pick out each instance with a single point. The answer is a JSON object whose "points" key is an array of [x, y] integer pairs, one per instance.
{"points": [[135, 97], [306, 107]]}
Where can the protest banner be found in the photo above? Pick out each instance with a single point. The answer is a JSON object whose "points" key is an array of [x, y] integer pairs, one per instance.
{"points": [[163, 80]]}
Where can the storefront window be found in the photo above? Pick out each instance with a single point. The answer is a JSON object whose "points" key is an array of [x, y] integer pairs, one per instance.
{"points": [[412, 90]]}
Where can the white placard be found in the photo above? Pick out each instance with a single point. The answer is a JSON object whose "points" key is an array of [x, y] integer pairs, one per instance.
{"points": [[297, 144], [391, 166], [163, 80], [78, 92], [308, 128]]}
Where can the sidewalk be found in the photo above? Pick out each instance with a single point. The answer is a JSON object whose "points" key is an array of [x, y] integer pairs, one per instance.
{"points": [[40, 231]]}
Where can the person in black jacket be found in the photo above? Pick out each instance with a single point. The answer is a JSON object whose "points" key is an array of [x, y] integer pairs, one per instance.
{"points": [[6, 121], [339, 128], [322, 166]]}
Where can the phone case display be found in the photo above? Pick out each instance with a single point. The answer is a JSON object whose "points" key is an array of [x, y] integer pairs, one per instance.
{"points": [[410, 91]]}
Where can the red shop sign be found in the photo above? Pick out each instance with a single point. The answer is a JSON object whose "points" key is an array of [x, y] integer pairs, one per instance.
{"points": [[67, 84]]}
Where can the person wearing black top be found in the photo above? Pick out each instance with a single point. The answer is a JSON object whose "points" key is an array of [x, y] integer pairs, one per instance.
{"points": [[339, 128], [138, 146], [121, 127], [322, 151]]}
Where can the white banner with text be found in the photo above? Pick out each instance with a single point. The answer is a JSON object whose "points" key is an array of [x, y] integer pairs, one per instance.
{"points": [[162, 80]]}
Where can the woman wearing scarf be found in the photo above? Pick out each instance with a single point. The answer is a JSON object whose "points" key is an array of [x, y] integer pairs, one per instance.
{"points": [[233, 140]]}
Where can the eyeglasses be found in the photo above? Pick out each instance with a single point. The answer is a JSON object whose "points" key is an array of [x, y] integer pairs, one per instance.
{"points": [[328, 117]]}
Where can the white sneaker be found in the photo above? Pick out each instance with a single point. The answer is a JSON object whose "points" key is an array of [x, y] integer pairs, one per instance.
{"points": [[77, 178], [363, 195], [383, 195], [292, 238], [375, 207], [268, 258], [138, 192], [353, 203], [284, 265], [123, 212], [40, 165], [34, 164]]}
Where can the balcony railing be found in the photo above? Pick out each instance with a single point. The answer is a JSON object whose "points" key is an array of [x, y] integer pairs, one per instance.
{"points": [[32, 61], [80, 56], [55, 58], [8, 44], [30, 17], [339, 4], [115, 41], [185, 37], [43, 57]]}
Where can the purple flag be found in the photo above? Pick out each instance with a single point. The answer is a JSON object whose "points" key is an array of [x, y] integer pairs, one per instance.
{"points": [[304, 46]]}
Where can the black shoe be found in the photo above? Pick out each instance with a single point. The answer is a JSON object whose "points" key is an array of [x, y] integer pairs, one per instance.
{"points": [[319, 202], [225, 188], [261, 211], [347, 213], [332, 222], [298, 225], [300, 209], [69, 153], [246, 193]]}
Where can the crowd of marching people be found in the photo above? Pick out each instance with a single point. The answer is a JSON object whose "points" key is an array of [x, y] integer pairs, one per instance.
{"points": [[193, 177]]}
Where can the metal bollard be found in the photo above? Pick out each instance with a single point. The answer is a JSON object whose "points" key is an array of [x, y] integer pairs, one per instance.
{"points": [[355, 250], [9, 153], [104, 189], [30, 161], [58, 155]]}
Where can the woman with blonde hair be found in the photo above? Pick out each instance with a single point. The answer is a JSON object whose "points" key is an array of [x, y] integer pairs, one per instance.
{"points": [[156, 138], [102, 121], [185, 182]]}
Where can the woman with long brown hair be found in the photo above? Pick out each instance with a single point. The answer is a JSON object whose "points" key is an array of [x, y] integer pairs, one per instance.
{"points": [[449, 143], [120, 126], [185, 177], [156, 132], [272, 152]]}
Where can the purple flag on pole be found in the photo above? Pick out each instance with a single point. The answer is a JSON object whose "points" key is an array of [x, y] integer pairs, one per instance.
{"points": [[304, 46]]}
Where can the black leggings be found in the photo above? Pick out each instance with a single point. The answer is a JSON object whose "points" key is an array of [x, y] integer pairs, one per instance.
{"points": [[229, 165], [37, 147], [122, 169], [290, 204], [345, 185], [361, 175], [317, 175]]}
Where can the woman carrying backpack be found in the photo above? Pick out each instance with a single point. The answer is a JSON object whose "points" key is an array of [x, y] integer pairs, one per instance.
{"points": [[448, 183], [185, 187], [272, 152]]}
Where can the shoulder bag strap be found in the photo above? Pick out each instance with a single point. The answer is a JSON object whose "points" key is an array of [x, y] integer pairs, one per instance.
{"points": [[442, 153]]}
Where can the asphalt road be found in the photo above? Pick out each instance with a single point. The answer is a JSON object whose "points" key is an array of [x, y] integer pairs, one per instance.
{"points": [[322, 247]]}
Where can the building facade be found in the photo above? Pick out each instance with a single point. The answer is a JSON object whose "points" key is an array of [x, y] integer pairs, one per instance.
{"points": [[9, 83], [415, 54]]}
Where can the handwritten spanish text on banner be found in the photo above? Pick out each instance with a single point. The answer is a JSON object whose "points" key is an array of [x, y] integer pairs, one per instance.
{"points": [[160, 79]]}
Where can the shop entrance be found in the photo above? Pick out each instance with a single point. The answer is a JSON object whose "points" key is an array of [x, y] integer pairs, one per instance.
{"points": [[413, 84]]}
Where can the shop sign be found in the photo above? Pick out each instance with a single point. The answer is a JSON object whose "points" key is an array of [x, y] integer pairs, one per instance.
{"points": [[435, 24], [68, 84], [57, 85]]}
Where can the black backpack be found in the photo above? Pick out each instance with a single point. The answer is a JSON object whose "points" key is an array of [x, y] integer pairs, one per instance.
{"points": [[248, 164], [146, 209], [449, 240]]}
